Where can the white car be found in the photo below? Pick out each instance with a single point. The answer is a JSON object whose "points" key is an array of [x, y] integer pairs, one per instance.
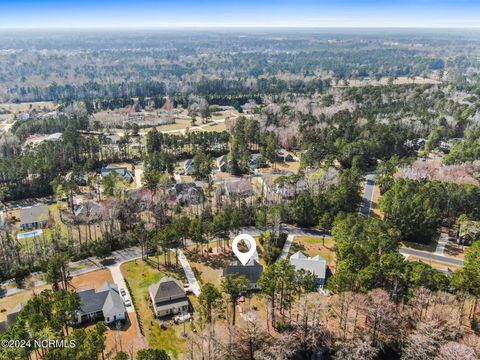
{"points": [[123, 292]]}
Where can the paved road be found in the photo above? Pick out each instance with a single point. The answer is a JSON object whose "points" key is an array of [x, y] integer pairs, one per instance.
{"points": [[431, 256], [366, 205]]}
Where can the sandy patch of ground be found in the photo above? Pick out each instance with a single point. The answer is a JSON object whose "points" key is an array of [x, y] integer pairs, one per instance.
{"points": [[9, 302], [92, 280]]}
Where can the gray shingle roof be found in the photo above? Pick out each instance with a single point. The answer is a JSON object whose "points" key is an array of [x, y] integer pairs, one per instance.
{"points": [[34, 213], [252, 270], [106, 299], [166, 288], [122, 171]]}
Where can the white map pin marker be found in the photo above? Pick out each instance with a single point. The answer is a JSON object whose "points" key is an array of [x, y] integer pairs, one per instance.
{"points": [[252, 247]]}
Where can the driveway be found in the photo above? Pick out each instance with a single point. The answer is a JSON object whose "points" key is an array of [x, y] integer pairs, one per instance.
{"points": [[192, 280], [366, 205], [138, 178], [120, 281], [442, 242], [287, 246]]}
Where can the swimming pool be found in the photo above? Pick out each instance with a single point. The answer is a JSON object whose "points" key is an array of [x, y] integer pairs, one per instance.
{"points": [[29, 234]]}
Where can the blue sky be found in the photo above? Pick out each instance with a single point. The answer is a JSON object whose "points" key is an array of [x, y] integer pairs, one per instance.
{"points": [[235, 13]]}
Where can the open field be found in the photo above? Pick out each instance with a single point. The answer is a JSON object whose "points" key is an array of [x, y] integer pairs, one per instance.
{"points": [[180, 123], [140, 275], [28, 106]]}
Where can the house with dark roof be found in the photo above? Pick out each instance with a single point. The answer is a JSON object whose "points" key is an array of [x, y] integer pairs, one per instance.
{"points": [[187, 166], [284, 156], [316, 265], [251, 270], [34, 217], [105, 304], [122, 171], [168, 297], [257, 161], [222, 163], [87, 211], [238, 189], [186, 193], [13, 314]]}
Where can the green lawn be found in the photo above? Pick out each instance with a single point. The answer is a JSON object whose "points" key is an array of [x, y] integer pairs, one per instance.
{"points": [[314, 245], [140, 276]]}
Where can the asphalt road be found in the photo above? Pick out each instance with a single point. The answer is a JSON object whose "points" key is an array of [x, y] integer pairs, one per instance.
{"points": [[366, 205], [431, 256]]}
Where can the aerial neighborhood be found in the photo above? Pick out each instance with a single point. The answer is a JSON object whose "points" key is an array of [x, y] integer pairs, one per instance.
{"points": [[263, 194]]}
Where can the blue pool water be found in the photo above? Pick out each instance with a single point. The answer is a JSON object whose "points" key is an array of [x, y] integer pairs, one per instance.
{"points": [[29, 234]]}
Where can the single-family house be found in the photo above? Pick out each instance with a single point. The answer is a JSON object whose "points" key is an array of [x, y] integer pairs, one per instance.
{"points": [[251, 270], [122, 171], [186, 193], [105, 304], [168, 297], [257, 161], [238, 189], [81, 179], [188, 166], [284, 156], [222, 163], [34, 217], [468, 231], [316, 264], [87, 211], [13, 314]]}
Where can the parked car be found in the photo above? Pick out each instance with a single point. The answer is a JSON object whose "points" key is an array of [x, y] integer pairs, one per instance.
{"points": [[127, 302], [123, 292]]}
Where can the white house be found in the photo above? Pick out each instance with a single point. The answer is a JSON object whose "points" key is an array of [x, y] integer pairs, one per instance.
{"points": [[317, 265], [104, 304]]}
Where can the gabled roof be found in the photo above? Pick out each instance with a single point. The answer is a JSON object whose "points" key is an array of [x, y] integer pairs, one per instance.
{"points": [[107, 300], [251, 270], [165, 289], [87, 210], [34, 213], [240, 187], [316, 264], [122, 171], [113, 303], [16, 309]]}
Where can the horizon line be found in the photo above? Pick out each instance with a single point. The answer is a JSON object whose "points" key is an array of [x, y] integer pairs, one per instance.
{"points": [[241, 27]]}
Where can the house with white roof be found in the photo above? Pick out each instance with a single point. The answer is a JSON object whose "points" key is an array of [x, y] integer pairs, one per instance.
{"points": [[316, 264]]}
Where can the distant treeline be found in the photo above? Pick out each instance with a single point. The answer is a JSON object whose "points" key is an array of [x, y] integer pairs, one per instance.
{"points": [[91, 90]]}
